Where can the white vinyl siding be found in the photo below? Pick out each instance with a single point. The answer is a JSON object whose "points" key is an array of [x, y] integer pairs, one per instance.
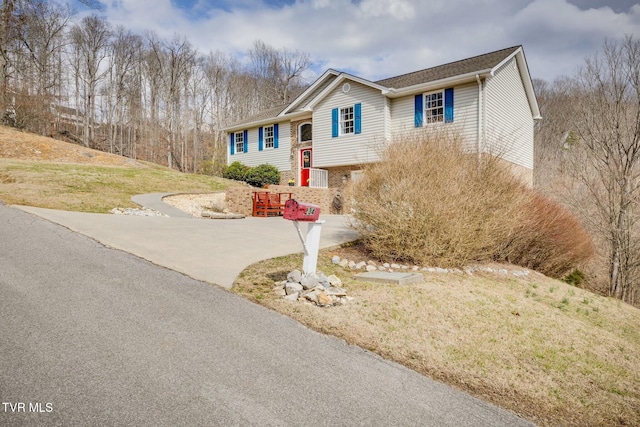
{"points": [[278, 157], [509, 123], [351, 148], [465, 115], [315, 93]]}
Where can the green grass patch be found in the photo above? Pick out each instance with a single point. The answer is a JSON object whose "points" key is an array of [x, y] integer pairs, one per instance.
{"points": [[88, 188]]}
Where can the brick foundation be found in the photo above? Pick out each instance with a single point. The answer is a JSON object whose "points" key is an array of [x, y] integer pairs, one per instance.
{"points": [[240, 199]]}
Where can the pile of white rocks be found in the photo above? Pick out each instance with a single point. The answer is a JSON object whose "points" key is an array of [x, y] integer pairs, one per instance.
{"points": [[136, 212], [373, 266], [314, 288]]}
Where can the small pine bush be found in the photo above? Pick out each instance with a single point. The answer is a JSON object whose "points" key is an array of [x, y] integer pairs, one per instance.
{"points": [[236, 171], [263, 175], [575, 278]]}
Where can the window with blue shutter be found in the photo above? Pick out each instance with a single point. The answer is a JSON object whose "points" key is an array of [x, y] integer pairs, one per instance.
{"points": [[346, 120], [232, 143], [275, 136], [448, 105], [260, 139], [434, 107], [418, 111], [246, 141]]}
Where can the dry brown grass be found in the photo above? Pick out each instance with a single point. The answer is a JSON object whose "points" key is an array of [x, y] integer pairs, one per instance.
{"points": [[552, 353]]}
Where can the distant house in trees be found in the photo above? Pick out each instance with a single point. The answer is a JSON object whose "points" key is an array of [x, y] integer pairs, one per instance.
{"points": [[327, 133]]}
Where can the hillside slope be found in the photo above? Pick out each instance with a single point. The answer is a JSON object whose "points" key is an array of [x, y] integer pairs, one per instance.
{"points": [[47, 173], [18, 145]]}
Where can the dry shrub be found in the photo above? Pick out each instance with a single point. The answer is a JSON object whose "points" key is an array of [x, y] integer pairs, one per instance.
{"points": [[550, 239], [429, 202]]}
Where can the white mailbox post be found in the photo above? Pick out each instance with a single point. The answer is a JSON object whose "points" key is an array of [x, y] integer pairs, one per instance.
{"points": [[304, 212]]}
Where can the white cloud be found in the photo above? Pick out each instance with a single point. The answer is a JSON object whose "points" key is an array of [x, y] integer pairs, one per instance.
{"points": [[381, 38]]}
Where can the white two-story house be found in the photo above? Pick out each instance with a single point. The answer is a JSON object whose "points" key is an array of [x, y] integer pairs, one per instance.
{"points": [[338, 124]]}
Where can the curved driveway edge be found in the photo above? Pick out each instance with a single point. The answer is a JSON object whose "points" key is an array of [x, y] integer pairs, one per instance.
{"points": [[214, 251], [154, 201]]}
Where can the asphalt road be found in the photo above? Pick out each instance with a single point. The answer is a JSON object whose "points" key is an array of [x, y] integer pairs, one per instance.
{"points": [[94, 336]]}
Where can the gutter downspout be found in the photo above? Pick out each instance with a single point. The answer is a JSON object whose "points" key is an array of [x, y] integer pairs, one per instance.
{"points": [[480, 106]]}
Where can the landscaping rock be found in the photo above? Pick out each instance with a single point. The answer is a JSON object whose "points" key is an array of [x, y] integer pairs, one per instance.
{"points": [[311, 296], [335, 259], [323, 280], [334, 280], [292, 297], [294, 276], [315, 289], [309, 281], [324, 299], [292, 288]]}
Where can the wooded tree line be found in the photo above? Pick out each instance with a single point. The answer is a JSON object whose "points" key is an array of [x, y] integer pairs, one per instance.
{"points": [[137, 95], [588, 157]]}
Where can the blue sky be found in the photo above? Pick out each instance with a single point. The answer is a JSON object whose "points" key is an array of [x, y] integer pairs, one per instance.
{"points": [[375, 39]]}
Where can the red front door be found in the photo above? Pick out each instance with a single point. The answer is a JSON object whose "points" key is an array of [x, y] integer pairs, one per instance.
{"points": [[305, 165]]}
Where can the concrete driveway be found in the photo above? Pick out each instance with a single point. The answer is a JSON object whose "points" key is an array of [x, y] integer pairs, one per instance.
{"points": [[211, 250], [97, 337]]}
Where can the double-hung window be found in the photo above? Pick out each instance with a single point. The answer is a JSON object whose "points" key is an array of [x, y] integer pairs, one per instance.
{"points": [[239, 142], [434, 107], [346, 120], [268, 137]]}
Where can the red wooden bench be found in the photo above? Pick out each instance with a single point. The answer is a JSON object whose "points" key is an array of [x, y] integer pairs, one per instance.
{"points": [[269, 204]]}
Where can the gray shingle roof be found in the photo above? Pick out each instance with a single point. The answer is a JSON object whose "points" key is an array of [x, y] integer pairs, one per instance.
{"points": [[457, 68], [262, 115]]}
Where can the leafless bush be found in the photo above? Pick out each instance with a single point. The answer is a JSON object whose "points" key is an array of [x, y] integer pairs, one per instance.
{"points": [[550, 239], [430, 202]]}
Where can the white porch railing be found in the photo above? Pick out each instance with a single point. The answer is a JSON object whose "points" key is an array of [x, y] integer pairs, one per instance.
{"points": [[318, 178]]}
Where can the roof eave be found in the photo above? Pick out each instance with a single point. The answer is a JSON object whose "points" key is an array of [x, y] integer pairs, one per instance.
{"points": [[267, 121], [437, 84], [309, 90], [526, 80]]}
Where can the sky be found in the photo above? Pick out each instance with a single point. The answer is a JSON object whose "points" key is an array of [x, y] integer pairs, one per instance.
{"points": [[376, 39]]}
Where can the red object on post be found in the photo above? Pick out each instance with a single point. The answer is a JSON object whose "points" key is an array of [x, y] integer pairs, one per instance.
{"points": [[299, 211]]}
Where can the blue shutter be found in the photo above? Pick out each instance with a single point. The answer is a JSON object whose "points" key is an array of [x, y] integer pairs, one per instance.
{"points": [[246, 141], [334, 123], [419, 111], [260, 139], [275, 136], [357, 112], [232, 140], [448, 105]]}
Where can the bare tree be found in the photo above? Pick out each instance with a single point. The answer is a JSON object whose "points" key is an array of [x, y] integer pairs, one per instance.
{"points": [[172, 62], [41, 36], [605, 157], [6, 23], [90, 40], [277, 73], [125, 50]]}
